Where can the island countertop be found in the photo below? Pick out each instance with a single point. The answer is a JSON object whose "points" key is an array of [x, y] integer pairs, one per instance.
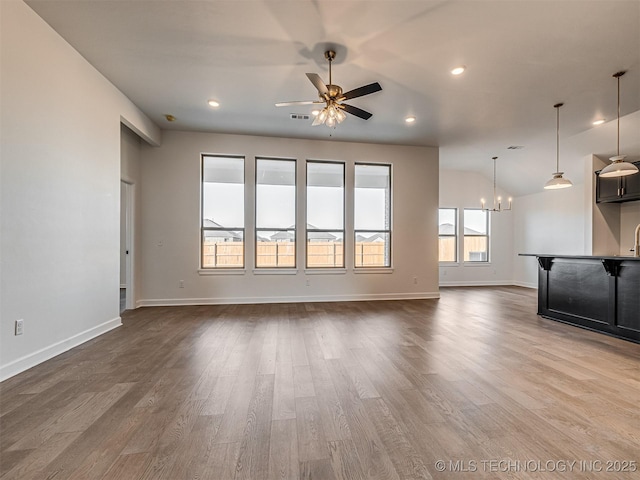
{"points": [[597, 292], [597, 257]]}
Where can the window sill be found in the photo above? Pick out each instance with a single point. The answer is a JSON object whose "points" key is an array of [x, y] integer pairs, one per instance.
{"points": [[375, 270], [275, 271], [325, 271], [477, 264], [449, 264], [221, 271]]}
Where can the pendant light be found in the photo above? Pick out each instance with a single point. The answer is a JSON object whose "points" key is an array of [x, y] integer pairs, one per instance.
{"points": [[618, 167], [497, 201], [557, 181]]}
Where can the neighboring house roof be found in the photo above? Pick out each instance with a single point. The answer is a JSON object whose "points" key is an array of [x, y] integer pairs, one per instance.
{"points": [[287, 235], [282, 236], [448, 229], [325, 236], [208, 223], [376, 237]]}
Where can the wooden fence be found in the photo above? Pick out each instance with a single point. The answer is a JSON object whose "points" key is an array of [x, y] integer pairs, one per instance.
{"points": [[473, 247], [282, 254]]}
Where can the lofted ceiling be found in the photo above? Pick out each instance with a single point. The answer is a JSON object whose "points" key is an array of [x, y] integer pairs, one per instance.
{"points": [[522, 57]]}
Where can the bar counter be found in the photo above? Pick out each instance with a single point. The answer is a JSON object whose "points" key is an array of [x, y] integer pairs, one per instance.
{"points": [[600, 293]]}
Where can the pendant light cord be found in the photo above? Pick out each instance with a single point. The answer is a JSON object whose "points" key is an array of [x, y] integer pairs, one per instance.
{"points": [[494, 181], [557, 107], [557, 139], [618, 77]]}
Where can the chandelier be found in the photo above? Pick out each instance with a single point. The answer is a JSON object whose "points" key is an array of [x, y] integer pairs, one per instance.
{"points": [[497, 201]]}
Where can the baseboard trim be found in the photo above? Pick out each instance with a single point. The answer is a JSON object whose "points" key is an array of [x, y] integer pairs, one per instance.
{"points": [[526, 285], [31, 360], [174, 302], [479, 283]]}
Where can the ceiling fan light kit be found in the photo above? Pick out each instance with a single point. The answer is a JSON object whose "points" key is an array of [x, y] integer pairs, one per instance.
{"points": [[618, 167], [557, 181], [332, 97]]}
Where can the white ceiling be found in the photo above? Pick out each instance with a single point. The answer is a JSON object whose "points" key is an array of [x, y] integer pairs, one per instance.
{"points": [[522, 57]]}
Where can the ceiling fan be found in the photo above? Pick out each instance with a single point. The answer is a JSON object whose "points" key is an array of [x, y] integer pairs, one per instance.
{"points": [[332, 97]]}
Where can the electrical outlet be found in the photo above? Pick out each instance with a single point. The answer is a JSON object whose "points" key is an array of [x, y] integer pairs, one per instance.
{"points": [[19, 327], [415, 280], [308, 283], [180, 283]]}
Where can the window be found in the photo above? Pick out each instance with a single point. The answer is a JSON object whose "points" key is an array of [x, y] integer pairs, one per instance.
{"points": [[222, 227], [275, 213], [325, 214], [476, 236], [448, 235], [372, 215]]}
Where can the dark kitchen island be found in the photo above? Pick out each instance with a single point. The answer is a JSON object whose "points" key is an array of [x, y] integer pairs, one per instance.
{"points": [[595, 292]]}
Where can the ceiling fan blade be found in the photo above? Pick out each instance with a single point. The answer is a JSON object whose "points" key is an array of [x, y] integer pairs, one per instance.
{"points": [[318, 83], [358, 112], [361, 91], [289, 104]]}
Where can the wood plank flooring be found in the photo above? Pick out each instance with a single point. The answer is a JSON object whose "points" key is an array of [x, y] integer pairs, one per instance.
{"points": [[344, 391]]}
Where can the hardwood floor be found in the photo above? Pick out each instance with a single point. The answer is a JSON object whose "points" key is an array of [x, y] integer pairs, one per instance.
{"points": [[356, 390]]}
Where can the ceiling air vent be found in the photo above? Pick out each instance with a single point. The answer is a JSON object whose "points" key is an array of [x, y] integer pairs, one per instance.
{"points": [[515, 147], [299, 116]]}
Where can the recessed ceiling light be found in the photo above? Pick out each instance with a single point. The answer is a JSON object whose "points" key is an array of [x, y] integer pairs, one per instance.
{"points": [[213, 103], [458, 70], [599, 122], [315, 113], [410, 119]]}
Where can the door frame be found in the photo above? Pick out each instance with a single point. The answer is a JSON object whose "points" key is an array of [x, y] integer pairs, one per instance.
{"points": [[129, 235]]}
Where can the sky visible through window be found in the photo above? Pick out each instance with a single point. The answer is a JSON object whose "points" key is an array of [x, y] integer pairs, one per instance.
{"points": [[325, 206], [281, 212], [474, 219], [223, 203]]}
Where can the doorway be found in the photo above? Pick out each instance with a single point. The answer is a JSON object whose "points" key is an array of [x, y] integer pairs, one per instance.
{"points": [[126, 245]]}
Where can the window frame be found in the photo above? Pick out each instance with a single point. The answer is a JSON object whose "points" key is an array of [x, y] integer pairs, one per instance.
{"points": [[486, 235], [455, 236], [307, 230], [204, 229], [388, 231], [295, 216]]}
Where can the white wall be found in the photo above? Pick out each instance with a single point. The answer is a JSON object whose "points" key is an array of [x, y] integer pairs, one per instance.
{"points": [[170, 226], [460, 189], [629, 220], [60, 191], [552, 221]]}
